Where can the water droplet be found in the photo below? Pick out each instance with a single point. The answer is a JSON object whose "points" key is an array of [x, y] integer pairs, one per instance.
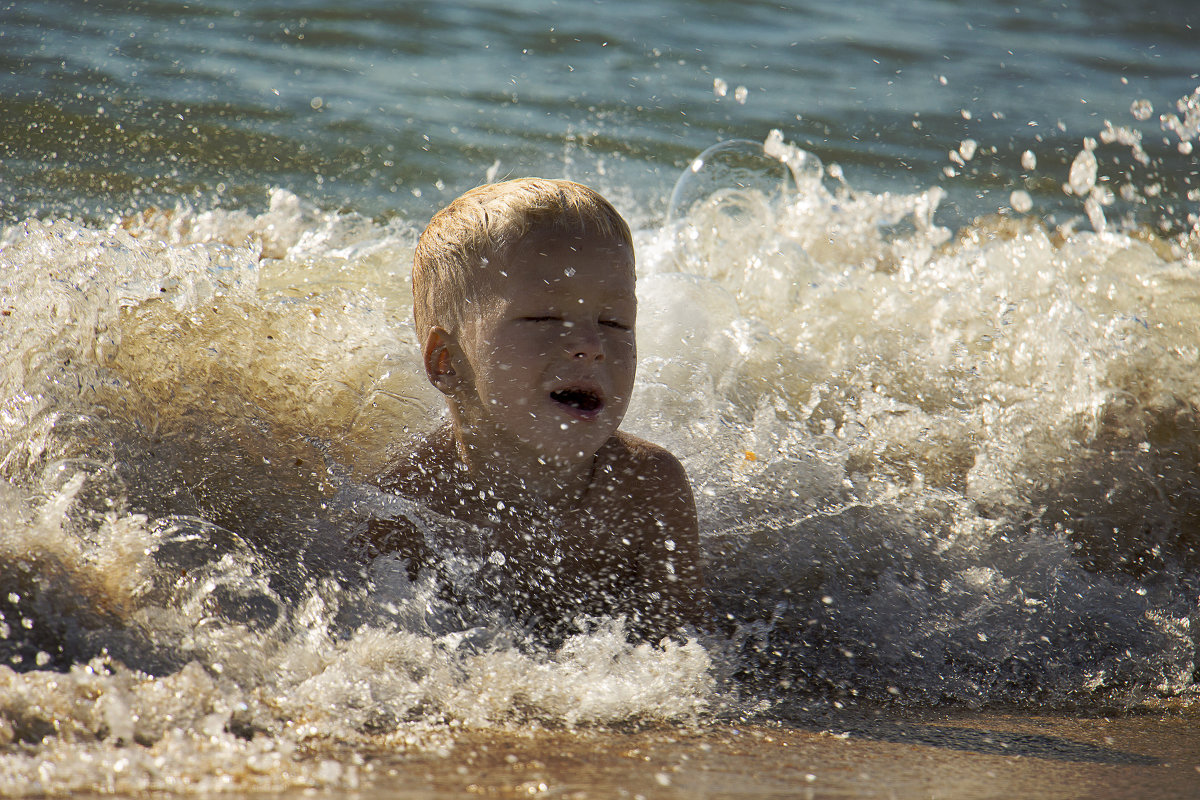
{"points": [[1083, 173], [1021, 201]]}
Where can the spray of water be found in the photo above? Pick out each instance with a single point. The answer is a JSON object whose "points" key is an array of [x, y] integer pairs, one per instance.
{"points": [[931, 465]]}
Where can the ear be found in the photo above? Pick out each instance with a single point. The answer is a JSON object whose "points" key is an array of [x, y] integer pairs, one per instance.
{"points": [[439, 357]]}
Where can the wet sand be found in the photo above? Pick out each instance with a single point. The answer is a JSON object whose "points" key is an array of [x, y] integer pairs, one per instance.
{"points": [[960, 755]]}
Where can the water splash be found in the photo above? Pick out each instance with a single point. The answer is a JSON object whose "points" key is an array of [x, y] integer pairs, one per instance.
{"points": [[931, 465]]}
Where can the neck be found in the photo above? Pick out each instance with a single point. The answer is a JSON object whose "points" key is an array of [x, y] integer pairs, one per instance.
{"points": [[519, 477]]}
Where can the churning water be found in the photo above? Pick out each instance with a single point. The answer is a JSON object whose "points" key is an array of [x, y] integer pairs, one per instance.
{"points": [[944, 430]]}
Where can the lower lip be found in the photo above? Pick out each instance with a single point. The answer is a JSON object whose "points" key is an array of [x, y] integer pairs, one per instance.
{"points": [[579, 413]]}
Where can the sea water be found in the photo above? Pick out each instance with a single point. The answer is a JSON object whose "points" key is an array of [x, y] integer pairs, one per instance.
{"points": [[918, 292]]}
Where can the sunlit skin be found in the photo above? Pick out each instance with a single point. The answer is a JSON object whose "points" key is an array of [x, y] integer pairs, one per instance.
{"points": [[537, 381]]}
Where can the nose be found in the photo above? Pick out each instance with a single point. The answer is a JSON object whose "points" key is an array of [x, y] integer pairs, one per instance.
{"points": [[582, 342]]}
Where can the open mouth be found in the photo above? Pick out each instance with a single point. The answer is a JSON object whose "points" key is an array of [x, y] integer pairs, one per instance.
{"points": [[586, 401]]}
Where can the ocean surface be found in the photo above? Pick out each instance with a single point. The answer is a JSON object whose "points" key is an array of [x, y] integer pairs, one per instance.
{"points": [[919, 285]]}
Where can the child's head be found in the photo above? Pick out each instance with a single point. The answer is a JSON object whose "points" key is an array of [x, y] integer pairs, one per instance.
{"points": [[523, 295], [460, 248]]}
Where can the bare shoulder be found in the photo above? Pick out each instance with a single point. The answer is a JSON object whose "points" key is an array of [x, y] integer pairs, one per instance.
{"points": [[634, 457], [419, 464], [645, 473]]}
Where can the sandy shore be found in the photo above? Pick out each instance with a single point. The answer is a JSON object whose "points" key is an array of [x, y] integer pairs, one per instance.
{"points": [[959, 755]]}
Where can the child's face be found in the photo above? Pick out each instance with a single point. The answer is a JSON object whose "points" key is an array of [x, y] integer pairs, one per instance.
{"points": [[552, 353]]}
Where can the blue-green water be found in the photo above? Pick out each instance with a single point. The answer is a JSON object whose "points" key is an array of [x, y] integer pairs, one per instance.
{"points": [[361, 105]]}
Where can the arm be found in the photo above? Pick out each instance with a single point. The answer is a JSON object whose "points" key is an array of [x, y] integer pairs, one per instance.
{"points": [[672, 577], [407, 477], [394, 535]]}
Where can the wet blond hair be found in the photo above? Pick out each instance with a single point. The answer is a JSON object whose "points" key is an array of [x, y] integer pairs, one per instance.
{"points": [[482, 227]]}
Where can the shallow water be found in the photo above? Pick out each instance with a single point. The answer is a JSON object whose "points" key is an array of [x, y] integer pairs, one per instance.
{"points": [[965, 756], [932, 370]]}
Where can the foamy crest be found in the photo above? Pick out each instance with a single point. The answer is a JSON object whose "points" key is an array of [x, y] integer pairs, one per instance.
{"points": [[931, 469], [104, 728], [238, 702]]}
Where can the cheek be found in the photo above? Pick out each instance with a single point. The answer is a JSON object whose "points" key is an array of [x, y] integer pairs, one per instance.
{"points": [[623, 357], [511, 356], [623, 348]]}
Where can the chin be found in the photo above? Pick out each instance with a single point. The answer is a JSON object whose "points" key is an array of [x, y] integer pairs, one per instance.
{"points": [[578, 446]]}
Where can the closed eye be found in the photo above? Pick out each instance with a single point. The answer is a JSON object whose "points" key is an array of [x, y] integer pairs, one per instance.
{"points": [[614, 323]]}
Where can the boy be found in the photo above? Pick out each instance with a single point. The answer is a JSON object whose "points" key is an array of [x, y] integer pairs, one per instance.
{"points": [[523, 298]]}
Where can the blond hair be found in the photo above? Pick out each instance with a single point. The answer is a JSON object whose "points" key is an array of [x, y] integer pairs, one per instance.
{"points": [[482, 226]]}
